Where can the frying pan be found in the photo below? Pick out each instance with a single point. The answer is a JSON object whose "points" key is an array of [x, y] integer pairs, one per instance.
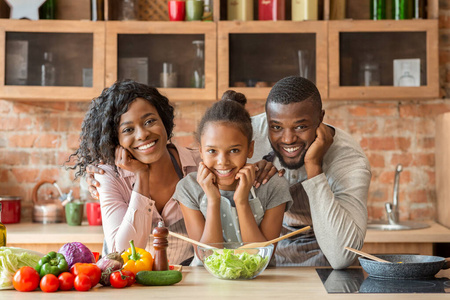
{"points": [[411, 266]]}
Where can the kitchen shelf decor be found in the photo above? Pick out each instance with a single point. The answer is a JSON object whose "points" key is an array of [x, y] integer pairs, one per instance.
{"points": [[362, 55], [75, 49], [143, 50], [252, 56]]}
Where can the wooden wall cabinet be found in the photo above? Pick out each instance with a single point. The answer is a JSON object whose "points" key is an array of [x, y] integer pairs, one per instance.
{"points": [[77, 49], [253, 55], [359, 49], [159, 42]]}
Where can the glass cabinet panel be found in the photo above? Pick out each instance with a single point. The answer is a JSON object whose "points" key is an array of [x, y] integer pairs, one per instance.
{"points": [[51, 60], [253, 56], [155, 59], [179, 58], [47, 59], [256, 59], [383, 59], [368, 58]]}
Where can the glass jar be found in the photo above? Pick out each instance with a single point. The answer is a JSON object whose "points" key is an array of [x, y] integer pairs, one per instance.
{"points": [[369, 72], [127, 10], [48, 76]]}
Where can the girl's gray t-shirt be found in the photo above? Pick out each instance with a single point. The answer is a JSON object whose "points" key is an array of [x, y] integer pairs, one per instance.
{"points": [[267, 196]]}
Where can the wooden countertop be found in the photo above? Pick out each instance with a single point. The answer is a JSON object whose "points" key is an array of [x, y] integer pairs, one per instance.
{"points": [[31, 233], [273, 283]]}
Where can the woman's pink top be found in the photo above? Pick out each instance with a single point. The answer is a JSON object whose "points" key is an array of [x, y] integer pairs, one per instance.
{"points": [[128, 215]]}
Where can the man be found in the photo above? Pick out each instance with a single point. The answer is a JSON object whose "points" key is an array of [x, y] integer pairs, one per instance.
{"points": [[328, 172]]}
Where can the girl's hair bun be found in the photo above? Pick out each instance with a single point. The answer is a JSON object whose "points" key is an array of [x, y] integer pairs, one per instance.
{"points": [[234, 96]]}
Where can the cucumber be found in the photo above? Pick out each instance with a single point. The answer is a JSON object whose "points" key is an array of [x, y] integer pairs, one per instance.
{"points": [[158, 277]]}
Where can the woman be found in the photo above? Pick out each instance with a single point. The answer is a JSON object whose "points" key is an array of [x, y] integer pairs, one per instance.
{"points": [[128, 128], [126, 137]]}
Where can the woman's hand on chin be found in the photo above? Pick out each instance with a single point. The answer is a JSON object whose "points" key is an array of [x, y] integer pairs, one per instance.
{"points": [[126, 161]]}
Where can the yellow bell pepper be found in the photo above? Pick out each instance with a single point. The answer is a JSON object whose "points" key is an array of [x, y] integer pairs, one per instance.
{"points": [[137, 259]]}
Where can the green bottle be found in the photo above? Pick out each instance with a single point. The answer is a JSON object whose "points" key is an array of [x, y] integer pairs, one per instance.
{"points": [[378, 9], [400, 10], [48, 10]]}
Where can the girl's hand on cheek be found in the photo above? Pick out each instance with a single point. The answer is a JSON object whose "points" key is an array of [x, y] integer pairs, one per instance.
{"points": [[208, 182], [246, 177], [126, 161]]}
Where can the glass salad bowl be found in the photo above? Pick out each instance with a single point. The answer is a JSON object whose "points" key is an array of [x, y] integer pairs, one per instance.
{"points": [[226, 261]]}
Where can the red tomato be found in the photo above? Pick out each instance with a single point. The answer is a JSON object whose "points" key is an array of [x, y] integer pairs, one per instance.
{"points": [[49, 283], [131, 277], [26, 279], [118, 280], [82, 283], [91, 270], [66, 280]]}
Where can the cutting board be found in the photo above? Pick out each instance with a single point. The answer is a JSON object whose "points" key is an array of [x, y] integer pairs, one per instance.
{"points": [[442, 157]]}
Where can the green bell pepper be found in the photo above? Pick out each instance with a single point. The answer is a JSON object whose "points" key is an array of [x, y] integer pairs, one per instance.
{"points": [[52, 263]]}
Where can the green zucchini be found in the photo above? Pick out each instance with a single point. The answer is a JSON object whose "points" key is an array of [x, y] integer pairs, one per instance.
{"points": [[158, 277]]}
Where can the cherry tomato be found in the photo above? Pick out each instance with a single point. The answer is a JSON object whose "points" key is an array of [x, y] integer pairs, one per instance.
{"points": [[82, 283], [49, 283], [91, 270], [66, 280], [131, 277], [118, 279], [26, 279]]}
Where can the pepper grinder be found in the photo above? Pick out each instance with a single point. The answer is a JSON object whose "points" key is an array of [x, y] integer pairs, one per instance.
{"points": [[160, 244]]}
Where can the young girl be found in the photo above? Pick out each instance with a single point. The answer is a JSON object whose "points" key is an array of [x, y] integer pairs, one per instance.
{"points": [[218, 202]]}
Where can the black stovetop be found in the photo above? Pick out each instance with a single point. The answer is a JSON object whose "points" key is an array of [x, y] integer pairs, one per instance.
{"points": [[355, 280]]}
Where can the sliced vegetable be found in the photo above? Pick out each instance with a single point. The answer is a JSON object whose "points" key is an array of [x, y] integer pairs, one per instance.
{"points": [[52, 263], [226, 264], [26, 279], [76, 253], [108, 264], [158, 277], [11, 260], [137, 259]]}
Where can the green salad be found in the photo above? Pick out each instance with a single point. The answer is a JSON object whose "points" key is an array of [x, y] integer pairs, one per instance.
{"points": [[228, 265]]}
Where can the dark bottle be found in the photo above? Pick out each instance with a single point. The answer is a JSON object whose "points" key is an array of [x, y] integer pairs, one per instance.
{"points": [[378, 9], [160, 244], [97, 10], [419, 9], [48, 10]]}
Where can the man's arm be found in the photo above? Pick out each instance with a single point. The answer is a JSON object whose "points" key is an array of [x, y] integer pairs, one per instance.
{"points": [[339, 210]]}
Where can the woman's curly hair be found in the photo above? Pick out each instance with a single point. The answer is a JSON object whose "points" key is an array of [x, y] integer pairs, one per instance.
{"points": [[99, 131]]}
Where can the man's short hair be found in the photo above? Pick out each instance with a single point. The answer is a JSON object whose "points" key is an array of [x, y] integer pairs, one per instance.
{"points": [[294, 89]]}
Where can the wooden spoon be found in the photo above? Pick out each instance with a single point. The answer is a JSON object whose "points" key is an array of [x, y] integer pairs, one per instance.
{"points": [[266, 243], [367, 255], [182, 237]]}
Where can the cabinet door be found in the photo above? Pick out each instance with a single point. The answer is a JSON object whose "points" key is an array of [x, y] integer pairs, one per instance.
{"points": [[51, 59], [383, 59], [252, 56], [143, 51]]}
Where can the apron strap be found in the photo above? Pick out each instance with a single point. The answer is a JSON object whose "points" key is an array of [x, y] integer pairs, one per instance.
{"points": [[252, 190]]}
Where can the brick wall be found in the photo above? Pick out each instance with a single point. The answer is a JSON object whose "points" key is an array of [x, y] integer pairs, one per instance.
{"points": [[36, 139]]}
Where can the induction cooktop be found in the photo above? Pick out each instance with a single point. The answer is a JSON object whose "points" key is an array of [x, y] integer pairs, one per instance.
{"points": [[355, 280]]}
